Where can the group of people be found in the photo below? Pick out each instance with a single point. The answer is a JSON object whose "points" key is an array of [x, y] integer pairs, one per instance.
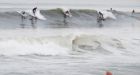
{"points": [[34, 18], [66, 14]]}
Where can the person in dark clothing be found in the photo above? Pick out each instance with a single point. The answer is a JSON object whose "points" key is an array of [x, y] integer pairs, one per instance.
{"points": [[133, 11], [100, 14], [66, 14], [34, 10], [100, 18], [111, 9], [23, 17], [34, 18]]}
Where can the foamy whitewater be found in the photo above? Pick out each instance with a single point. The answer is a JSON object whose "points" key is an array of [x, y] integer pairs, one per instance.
{"points": [[78, 46]]}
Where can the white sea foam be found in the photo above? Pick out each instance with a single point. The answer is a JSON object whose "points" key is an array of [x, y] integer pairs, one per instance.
{"points": [[107, 14], [16, 47], [37, 14], [122, 42]]}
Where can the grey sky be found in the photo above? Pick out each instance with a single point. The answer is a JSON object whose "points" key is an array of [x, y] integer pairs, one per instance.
{"points": [[74, 1], [107, 3]]}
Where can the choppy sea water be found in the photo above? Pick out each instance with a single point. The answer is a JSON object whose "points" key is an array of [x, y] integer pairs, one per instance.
{"points": [[81, 18], [70, 51], [56, 65], [76, 48]]}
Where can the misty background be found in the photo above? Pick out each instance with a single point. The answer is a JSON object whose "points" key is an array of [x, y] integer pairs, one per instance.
{"points": [[131, 3]]}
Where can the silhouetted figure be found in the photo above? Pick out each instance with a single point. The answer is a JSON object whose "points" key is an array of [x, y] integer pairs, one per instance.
{"points": [[133, 12], [34, 18], [100, 19], [34, 10], [33, 23], [23, 17], [65, 17], [66, 14], [111, 9]]}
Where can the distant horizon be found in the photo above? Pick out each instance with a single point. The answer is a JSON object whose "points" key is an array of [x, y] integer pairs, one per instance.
{"points": [[78, 4], [100, 2]]}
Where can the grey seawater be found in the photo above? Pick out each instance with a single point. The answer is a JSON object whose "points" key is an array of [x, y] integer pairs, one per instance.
{"points": [[82, 18], [63, 65]]}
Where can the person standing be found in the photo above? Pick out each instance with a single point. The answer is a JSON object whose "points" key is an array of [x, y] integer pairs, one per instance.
{"points": [[66, 14], [100, 19], [34, 18], [133, 11], [23, 17], [34, 10]]}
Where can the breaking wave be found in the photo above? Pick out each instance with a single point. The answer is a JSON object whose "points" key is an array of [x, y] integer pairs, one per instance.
{"points": [[100, 42], [75, 42], [81, 18]]}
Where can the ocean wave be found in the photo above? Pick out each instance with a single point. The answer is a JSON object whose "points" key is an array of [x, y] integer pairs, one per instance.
{"points": [[80, 18], [70, 43]]}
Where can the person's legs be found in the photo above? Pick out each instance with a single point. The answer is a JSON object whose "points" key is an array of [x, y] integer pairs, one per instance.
{"points": [[33, 21], [22, 21], [65, 16], [100, 24], [99, 20]]}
